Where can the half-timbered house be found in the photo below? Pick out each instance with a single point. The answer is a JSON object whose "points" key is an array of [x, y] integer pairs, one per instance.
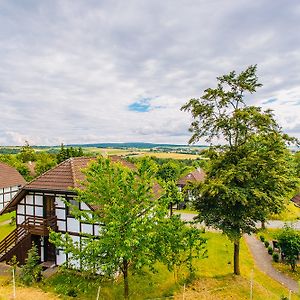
{"points": [[40, 205], [10, 182], [193, 177]]}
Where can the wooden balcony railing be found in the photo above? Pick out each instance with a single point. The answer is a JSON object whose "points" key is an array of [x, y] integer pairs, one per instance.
{"points": [[39, 225]]}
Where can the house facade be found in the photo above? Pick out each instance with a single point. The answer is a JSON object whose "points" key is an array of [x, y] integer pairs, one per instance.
{"points": [[194, 177], [10, 182], [40, 205]]}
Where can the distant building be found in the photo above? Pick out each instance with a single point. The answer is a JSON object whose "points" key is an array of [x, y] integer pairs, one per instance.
{"points": [[191, 178], [10, 182]]}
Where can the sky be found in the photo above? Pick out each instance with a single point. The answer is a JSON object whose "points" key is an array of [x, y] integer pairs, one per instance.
{"points": [[118, 71]]}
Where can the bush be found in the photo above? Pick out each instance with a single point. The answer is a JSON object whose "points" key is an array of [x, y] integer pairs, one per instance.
{"points": [[289, 242], [270, 250], [262, 238], [31, 272], [267, 244], [275, 257]]}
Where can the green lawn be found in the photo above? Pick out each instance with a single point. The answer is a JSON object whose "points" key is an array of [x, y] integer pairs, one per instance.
{"points": [[6, 228], [214, 279], [291, 213], [7, 216]]}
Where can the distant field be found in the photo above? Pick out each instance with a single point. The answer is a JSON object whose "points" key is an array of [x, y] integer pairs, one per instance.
{"points": [[169, 155], [139, 153]]}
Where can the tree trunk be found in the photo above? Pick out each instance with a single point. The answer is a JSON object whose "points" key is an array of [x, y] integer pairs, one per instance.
{"points": [[125, 275], [171, 209], [263, 224], [236, 258]]}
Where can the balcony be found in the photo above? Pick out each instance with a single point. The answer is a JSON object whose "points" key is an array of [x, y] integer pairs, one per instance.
{"points": [[39, 225]]}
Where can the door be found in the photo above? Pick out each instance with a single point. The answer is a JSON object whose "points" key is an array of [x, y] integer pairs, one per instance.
{"points": [[49, 250], [49, 206]]}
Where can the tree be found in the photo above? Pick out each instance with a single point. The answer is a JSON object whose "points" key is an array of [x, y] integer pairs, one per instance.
{"points": [[168, 171], [180, 245], [130, 212], [44, 162], [251, 174], [31, 272], [172, 194], [27, 153], [289, 242]]}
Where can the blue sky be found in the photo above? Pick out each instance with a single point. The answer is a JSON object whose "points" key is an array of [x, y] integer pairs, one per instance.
{"points": [[119, 71]]}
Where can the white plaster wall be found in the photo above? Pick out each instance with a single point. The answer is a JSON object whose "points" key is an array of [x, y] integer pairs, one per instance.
{"points": [[20, 219], [29, 199], [73, 225], [87, 228], [21, 208], [60, 213], [60, 257], [61, 225], [38, 199]]}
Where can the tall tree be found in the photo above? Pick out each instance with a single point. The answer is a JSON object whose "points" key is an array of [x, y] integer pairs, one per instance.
{"points": [[251, 173], [131, 215], [27, 153]]}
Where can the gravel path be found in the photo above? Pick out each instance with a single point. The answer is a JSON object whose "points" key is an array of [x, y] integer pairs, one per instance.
{"points": [[264, 262]]}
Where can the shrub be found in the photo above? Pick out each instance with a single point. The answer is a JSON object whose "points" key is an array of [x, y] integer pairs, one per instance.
{"points": [[270, 250], [275, 257], [262, 238], [31, 272], [289, 242], [267, 244]]}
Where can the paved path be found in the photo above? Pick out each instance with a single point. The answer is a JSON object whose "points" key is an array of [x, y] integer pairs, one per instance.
{"points": [[262, 259], [269, 224], [264, 262]]}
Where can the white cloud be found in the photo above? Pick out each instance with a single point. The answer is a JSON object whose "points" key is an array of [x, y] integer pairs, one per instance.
{"points": [[69, 70]]}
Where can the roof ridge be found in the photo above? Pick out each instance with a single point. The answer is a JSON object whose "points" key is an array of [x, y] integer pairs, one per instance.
{"points": [[72, 170]]}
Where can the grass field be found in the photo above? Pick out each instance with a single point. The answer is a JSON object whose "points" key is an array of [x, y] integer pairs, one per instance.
{"points": [[5, 227], [214, 280], [291, 213], [139, 153]]}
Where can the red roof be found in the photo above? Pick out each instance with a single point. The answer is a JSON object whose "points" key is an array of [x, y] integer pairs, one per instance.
{"points": [[67, 174], [195, 176], [296, 199], [10, 176]]}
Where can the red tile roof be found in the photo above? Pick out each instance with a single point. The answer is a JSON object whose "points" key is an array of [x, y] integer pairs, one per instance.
{"points": [[10, 176], [195, 176], [296, 199], [67, 174]]}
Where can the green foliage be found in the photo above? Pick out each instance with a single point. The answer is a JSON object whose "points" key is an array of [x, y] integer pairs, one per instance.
{"points": [[179, 244], [275, 257], [31, 272], [250, 176], [168, 171], [266, 244], [14, 262], [172, 194], [270, 250], [65, 153], [27, 153], [262, 238], [297, 162], [44, 162], [289, 242]]}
